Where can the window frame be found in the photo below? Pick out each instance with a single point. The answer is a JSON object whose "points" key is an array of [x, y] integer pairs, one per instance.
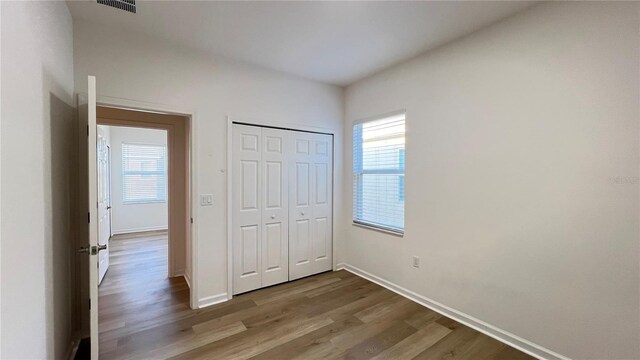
{"points": [[362, 223], [125, 173]]}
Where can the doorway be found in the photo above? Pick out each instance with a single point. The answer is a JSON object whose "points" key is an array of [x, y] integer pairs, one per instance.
{"points": [[178, 203], [137, 177], [144, 195]]}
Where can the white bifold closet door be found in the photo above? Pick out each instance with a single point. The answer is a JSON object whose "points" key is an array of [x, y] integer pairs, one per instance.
{"points": [[310, 208], [247, 217], [260, 208], [275, 207], [282, 186]]}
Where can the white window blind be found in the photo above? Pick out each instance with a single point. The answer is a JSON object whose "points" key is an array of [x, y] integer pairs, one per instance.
{"points": [[144, 173], [378, 173]]}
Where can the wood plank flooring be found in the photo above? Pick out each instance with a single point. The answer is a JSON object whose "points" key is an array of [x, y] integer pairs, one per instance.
{"points": [[335, 315]]}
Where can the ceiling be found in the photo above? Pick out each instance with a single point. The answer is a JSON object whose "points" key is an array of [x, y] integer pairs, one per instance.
{"points": [[332, 42]]}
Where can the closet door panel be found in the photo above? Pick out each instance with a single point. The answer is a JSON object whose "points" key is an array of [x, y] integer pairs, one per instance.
{"points": [[275, 210], [302, 184], [246, 204], [321, 246], [300, 211], [249, 183], [249, 251], [273, 241], [274, 181], [322, 209]]}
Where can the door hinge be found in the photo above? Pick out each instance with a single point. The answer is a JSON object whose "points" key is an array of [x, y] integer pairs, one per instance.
{"points": [[87, 130], [89, 304], [192, 220], [89, 217]]}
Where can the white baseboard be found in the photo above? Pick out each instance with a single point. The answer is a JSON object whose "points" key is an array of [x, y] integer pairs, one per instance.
{"points": [[212, 300], [487, 329], [138, 230], [187, 279], [177, 273]]}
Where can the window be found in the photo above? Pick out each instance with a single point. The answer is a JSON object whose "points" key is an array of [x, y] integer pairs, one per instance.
{"points": [[401, 185], [144, 173], [378, 173]]}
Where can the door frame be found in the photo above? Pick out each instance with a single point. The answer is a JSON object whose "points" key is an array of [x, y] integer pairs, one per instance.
{"points": [[192, 184], [229, 193], [118, 117]]}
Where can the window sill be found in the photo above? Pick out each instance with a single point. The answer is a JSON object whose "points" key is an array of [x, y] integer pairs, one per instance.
{"points": [[376, 228]]}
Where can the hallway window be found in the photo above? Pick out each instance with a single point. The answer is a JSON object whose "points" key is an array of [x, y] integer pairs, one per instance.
{"points": [[144, 173]]}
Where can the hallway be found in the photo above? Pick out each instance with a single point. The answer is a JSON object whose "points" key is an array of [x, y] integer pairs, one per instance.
{"points": [[136, 293]]}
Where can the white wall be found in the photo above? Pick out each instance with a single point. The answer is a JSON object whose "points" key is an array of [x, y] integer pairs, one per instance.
{"points": [[38, 147], [521, 177], [126, 218], [141, 68]]}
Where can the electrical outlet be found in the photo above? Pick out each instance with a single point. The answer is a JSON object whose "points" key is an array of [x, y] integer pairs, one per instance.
{"points": [[416, 262]]}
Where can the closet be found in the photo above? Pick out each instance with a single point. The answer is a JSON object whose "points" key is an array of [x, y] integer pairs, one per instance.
{"points": [[281, 205]]}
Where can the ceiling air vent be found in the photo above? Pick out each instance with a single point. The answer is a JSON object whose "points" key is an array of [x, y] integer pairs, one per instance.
{"points": [[126, 5]]}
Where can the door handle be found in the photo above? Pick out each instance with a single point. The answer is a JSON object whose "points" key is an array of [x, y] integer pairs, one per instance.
{"points": [[93, 250], [302, 213], [108, 207], [273, 216]]}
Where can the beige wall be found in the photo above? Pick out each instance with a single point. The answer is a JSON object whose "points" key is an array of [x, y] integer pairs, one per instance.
{"points": [[146, 69], [38, 168], [522, 177]]}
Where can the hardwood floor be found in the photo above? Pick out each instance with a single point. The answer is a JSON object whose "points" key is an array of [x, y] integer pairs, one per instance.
{"points": [[144, 315]]}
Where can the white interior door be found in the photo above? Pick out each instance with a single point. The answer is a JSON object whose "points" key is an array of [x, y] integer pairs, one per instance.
{"points": [[246, 204], [87, 113], [310, 216], [104, 215], [275, 214]]}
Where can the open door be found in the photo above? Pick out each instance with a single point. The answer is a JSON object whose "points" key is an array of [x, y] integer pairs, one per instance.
{"points": [[104, 208], [87, 112]]}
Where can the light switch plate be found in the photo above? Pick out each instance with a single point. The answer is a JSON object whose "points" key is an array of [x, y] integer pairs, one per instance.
{"points": [[206, 199]]}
